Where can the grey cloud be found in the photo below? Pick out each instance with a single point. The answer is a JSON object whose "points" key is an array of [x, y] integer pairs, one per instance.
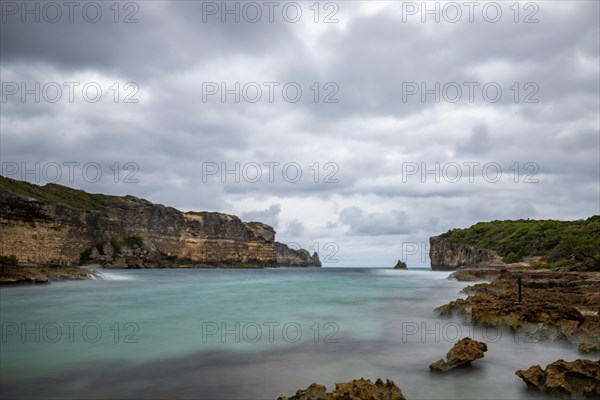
{"points": [[270, 216], [295, 229], [369, 133], [478, 142], [374, 224]]}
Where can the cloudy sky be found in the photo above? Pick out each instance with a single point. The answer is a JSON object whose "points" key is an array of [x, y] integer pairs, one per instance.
{"points": [[358, 128]]}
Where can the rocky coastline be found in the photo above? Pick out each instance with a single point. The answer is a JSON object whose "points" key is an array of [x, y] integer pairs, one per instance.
{"points": [[549, 296], [357, 389], [552, 295], [552, 305], [563, 378], [51, 230], [446, 255], [40, 274]]}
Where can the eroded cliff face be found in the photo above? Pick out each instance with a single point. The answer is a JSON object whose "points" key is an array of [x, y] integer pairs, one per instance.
{"points": [[42, 232], [287, 256], [446, 255]]}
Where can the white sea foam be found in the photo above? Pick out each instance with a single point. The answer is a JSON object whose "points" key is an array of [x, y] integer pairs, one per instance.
{"points": [[111, 276], [387, 272]]}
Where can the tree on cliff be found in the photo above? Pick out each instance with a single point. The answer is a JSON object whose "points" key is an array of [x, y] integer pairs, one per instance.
{"points": [[581, 249]]}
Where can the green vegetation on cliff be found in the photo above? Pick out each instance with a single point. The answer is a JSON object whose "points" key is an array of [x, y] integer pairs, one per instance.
{"points": [[9, 260], [65, 195], [559, 243]]}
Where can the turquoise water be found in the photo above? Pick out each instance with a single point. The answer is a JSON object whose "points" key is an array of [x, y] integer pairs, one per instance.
{"points": [[247, 334]]}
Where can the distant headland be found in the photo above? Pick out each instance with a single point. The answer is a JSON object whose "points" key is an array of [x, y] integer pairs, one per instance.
{"points": [[54, 225]]}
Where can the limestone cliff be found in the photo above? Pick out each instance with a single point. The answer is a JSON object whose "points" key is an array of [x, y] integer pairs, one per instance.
{"points": [[524, 242], [446, 255], [131, 232], [287, 256]]}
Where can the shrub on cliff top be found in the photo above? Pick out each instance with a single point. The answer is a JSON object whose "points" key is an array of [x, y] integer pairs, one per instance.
{"points": [[555, 241], [65, 195], [511, 258]]}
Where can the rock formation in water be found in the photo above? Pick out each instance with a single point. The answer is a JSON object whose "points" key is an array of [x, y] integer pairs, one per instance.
{"points": [[462, 353], [446, 255], [127, 232], [358, 389], [579, 378], [400, 265]]}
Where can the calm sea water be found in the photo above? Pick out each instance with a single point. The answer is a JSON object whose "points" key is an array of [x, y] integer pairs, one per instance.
{"points": [[248, 334]]}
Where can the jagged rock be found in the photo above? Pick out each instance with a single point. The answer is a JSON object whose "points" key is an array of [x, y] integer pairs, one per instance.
{"points": [[589, 345], [476, 274], [358, 389], [287, 256], [446, 255], [462, 353], [262, 230], [554, 306], [579, 377], [313, 392], [400, 265], [108, 250]]}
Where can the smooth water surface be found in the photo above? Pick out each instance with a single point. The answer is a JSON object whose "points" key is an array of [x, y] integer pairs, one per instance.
{"points": [[248, 334]]}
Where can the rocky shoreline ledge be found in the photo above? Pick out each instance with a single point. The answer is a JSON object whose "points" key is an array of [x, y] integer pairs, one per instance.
{"points": [[552, 305], [35, 274], [543, 277]]}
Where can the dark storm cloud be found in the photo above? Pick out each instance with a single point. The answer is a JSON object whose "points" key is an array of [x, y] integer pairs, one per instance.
{"points": [[158, 38], [370, 134]]}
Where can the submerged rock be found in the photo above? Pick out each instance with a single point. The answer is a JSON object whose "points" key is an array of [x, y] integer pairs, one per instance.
{"points": [[579, 377], [358, 389], [462, 353]]}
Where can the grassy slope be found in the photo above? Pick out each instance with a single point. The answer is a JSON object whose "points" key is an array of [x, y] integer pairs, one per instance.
{"points": [[558, 242], [64, 195]]}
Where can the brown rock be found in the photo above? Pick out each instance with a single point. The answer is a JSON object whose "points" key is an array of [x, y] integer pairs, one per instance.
{"points": [[313, 392], [42, 274], [358, 389], [579, 377], [462, 353], [475, 274], [589, 345], [400, 265], [43, 232], [446, 255], [554, 306], [290, 257]]}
